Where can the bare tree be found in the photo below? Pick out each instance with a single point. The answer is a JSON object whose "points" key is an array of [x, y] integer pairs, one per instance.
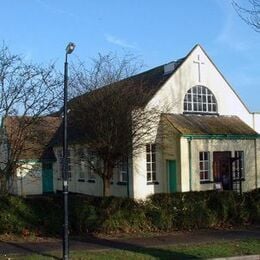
{"points": [[103, 71], [250, 14], [27, 92], [110, 118]]}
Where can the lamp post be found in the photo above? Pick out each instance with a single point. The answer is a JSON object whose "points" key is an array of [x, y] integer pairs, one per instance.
{"points": [[69, 49]]}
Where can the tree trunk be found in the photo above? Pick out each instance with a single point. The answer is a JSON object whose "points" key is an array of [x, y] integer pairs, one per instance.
{"points": [[106, 187], [3, 186], [108, 173]]}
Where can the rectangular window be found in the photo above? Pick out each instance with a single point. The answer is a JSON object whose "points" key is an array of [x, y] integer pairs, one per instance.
{"points": [[93, 164], [151, 162], [82, 163], [238, 165], [204, 166], [60, 163], [123, 170]]}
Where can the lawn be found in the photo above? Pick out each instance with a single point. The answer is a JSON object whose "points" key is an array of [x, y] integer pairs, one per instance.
{"points": [[198, 251]]}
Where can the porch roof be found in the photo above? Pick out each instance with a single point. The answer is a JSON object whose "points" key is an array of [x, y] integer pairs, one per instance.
{"points": [[30, 138], [209, 125]]}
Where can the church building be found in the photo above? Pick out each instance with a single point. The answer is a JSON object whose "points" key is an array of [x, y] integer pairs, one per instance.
{"points": [[212, 139]]}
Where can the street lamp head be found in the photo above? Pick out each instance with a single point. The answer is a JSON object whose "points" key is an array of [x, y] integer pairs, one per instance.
{"points": [[70, 48]]}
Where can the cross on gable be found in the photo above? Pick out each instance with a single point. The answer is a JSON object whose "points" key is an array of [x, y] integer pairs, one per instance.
{"points": [[199, 63]]}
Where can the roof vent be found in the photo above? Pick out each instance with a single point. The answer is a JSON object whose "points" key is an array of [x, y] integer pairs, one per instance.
{"points": [[169, 67]]}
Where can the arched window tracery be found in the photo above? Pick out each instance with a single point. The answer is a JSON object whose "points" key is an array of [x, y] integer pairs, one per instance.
{"points": [[199, 99]]}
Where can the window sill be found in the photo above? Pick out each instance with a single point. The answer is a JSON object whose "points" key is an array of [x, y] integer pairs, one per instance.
{"points": [[200, 113], [152, 183], [91, 181], [60, 179], [81, 180], [122, 183], [206, 182], [237, 180]]}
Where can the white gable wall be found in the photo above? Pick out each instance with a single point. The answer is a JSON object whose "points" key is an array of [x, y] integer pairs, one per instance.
{"points": [[171, 96]]}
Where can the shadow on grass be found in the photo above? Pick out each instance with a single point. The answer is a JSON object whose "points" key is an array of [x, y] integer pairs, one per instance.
{"points": [[24, 248], [92, 243]]}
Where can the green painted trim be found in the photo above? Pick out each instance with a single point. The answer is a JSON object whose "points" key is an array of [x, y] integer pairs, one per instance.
{"points": [[220, 137]]}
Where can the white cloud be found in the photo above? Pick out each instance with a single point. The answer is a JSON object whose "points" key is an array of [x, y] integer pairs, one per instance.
{"points": [[120, 42]]}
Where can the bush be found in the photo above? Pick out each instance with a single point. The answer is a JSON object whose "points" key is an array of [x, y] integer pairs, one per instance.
{"points": [[252, 206], [165, 212], [83, 214], [15, 215], [121, 214], [204, 209], [49, 213]]}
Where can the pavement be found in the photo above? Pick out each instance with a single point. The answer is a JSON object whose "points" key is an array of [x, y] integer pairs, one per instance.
{"points": [[44, 246]]}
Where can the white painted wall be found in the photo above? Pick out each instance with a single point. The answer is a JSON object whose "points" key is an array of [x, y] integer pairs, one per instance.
{"points": [[141, 188], [84, 186], [28, 180], [256, 121], [248, 146]]}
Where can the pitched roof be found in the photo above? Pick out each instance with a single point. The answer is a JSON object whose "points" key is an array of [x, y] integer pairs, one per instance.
{"points": [[209, 125], [138, 89], [146, 83], [32, 137]]}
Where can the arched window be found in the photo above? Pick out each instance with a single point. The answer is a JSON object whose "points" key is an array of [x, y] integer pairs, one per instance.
{"points": [[200, 99]]}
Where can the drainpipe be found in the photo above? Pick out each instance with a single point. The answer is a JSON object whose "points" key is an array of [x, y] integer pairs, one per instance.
{"points": [[190, 161], [127, 168], [256, 178]]}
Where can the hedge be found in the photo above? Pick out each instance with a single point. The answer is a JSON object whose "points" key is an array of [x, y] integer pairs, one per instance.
{"points": [[160, 212]]}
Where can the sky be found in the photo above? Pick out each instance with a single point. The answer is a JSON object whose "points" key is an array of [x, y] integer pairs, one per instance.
{"points": [[156, 31]]}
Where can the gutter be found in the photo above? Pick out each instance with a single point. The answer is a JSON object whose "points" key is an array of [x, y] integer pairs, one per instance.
{"points": [[222, 136]]}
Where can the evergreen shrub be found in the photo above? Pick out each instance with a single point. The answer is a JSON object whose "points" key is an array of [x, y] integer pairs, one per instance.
{"points": [[160, 212]]}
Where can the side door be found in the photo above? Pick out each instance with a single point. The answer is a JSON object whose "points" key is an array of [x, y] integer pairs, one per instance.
{"points": [[222, 169], [47, 177], [172, 175]]}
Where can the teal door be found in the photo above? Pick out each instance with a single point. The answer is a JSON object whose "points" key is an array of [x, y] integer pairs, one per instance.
{"points": [[172, 175], [47, 177]]}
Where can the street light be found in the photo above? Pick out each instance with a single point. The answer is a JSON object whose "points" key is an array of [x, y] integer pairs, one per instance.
{"points": [[69, 49]]}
